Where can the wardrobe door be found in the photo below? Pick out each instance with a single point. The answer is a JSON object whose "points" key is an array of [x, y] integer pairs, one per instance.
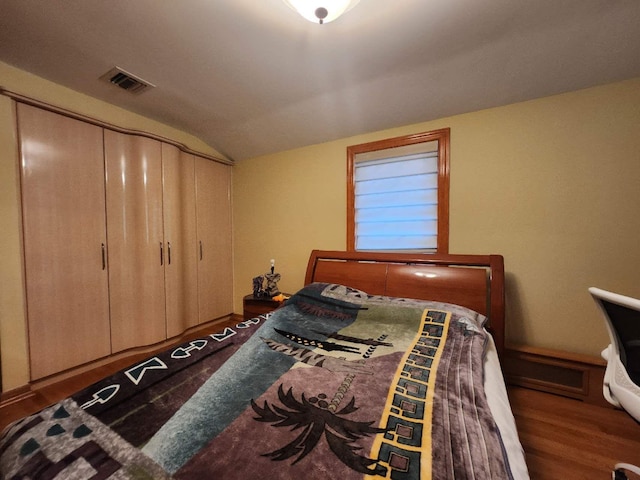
{"points": [[136, 245], [181, 265], [63, 207], [215, 269]]}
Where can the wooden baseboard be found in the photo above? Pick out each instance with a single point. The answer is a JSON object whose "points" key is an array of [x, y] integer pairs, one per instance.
{"points": [[552, 371], [15, 395]]}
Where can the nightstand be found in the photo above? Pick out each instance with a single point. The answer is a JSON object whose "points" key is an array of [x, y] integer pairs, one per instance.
{"points": [[252, 307]]}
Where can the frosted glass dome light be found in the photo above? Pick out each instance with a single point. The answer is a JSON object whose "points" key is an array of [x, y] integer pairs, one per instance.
{"points": [[321, 11]]}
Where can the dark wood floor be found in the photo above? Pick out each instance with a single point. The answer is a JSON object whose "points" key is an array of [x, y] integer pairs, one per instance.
{"points": [[562, 438], [565, 438]]}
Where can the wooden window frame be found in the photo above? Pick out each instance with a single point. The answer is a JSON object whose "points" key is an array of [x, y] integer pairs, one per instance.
{"points": [[442, 136]]}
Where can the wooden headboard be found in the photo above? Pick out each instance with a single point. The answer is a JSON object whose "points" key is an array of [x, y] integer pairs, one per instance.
{"points": [[473, 281]]}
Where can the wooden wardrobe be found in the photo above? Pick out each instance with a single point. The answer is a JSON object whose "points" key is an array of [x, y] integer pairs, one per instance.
{"points": [[127, 239]]}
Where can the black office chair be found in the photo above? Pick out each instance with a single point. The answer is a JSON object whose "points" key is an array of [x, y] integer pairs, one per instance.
{"points": [[621, 385]]}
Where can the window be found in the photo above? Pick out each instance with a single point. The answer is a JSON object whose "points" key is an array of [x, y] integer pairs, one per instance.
{"points": [[398, 194]]}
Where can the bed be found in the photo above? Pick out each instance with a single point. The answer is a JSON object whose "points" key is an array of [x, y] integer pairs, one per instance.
{"points": [[381, 366]]}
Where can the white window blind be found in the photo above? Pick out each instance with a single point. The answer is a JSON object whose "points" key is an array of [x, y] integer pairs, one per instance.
{"points": [[396, 202]]}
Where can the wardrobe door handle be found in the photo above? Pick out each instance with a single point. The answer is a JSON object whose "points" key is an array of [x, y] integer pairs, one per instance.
{"points": [[161, 254], [200, 249], [104, 256], [168, 253]]}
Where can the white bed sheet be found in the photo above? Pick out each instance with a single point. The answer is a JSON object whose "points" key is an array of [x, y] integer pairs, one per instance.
{"points": [[498, 400]]}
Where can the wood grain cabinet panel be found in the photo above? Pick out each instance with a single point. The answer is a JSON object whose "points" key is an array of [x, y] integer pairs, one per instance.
{"points": [[181, 265], [127, 239], [63, 206], [215, 265], [135, 239]]}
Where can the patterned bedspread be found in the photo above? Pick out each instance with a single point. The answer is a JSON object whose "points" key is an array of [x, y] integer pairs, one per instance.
{"points": [[335, 384]]}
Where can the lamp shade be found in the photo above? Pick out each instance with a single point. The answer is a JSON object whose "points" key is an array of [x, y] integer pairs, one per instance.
{"points": [[321, 11]]}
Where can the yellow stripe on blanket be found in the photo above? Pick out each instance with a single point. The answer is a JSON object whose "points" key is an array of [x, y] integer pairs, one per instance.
{"points": [[406, 448]]}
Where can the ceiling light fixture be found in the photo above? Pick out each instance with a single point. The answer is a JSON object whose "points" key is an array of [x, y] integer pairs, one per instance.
{"points": [[321, 11]]}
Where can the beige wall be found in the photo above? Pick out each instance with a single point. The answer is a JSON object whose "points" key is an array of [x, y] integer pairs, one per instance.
{"points": [[552, 184], [13, 338]]}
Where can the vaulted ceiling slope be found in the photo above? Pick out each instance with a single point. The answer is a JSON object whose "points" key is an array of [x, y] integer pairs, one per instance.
{"points": [[252, 77]]}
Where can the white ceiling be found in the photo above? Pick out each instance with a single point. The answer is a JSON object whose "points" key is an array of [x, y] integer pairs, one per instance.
{"points": [[251, 77]]}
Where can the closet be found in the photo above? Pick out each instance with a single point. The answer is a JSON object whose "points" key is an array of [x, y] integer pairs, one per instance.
{"points": [[135, 239], [65, 239], [213, 193], [127, 239], [181, 250]]}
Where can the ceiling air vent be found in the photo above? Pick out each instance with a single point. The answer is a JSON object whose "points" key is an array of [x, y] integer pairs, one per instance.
{"points": [[127, 81]]}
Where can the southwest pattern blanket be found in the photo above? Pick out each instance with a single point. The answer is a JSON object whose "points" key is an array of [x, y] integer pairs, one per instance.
{"points": [[335, 384]]}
